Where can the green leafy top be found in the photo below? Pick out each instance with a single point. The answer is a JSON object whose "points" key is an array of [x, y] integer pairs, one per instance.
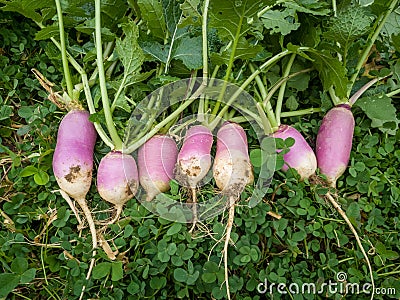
{"points": [[351, 23], [38, 11]]}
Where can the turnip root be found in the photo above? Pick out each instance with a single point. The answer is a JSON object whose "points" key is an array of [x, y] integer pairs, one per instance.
{"points": [[73, 164], [232, 171], [300, 156], [156, 162], [194, 161], [333, 148], [73, 160], [334, 141], [117, 179]]}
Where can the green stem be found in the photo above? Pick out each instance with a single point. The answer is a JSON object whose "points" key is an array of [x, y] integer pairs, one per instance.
{"points": [[282, 89], [204, 40], [264, 66], [251, 114], [201, 109], [132, 147], [154, 108], [228, 72], [206, 102], [86, 88], [67, 74], [393, 93], [370, 41], [177, 128], [145, 115], [388, 273], [92, 110], [335, 99], [300, 112], [239, 120], [102, 79], [265, 9], [280, 82], [268, 107], [260, 84], [334, 7], [264, 120]]}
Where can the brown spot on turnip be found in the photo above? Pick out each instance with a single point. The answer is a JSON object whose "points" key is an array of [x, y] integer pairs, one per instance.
{"points": [[196, 170], [73, 173]]}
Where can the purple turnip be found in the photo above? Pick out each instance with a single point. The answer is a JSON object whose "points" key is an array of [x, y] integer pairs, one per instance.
{"points": [[334, 142], [73, 160], [300, 156], [232, 171], [156, 162], [117, 179]]}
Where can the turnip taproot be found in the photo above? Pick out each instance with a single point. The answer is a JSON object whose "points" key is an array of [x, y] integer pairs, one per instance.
{"points": [[334, 141], [232, 171], [73, 160], [156, 163], [117, 179], [300, 156]]}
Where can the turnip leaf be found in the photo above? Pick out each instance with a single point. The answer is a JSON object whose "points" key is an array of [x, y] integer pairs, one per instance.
{"points": [[191, 15], [188, 50], [280, 21], [244, 50], [230, 17], [152, 14], [172, 14], [38, 11], [392, 25], [156, 50], [331, 70], [47, 32], [381, 111], [128, 49], [234, 21], [313, 7], [132, 58], [350, 24], [182, 44]]}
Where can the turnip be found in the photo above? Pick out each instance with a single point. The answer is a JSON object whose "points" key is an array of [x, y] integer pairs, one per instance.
{"points": [[232, 166], [232, 171], [194, 161], [73, 160], [334, 141], [73, 164], [333, 148], [156, 162], [300, 156], [117, 179], [194, 158]]}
